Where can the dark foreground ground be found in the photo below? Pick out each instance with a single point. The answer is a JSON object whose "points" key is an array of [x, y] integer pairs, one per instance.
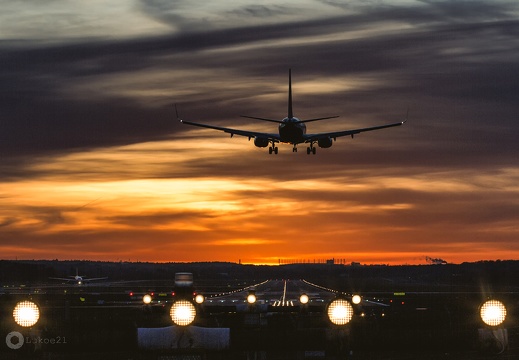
{"points": [[429, 312]]}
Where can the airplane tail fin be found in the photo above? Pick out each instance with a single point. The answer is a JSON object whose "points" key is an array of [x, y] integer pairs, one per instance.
{"points": [[290, 113]]}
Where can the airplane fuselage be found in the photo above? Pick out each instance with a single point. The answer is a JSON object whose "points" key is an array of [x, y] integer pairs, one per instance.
{"points": [[292, 130]]}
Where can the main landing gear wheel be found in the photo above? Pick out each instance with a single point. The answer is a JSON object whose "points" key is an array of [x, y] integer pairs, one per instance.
{"points": [[294, 149], [273, 148], [310, 149]]}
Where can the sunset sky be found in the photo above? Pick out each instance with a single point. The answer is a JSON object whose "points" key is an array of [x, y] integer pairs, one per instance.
{"points": [[94, 164]]}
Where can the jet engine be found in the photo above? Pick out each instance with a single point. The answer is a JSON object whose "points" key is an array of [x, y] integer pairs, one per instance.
{"points": [[325, 142], [261, 142]]}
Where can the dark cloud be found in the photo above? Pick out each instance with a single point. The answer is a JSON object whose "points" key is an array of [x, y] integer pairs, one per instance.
{"points": [[154, 219], [417, 65], [262, 11]]}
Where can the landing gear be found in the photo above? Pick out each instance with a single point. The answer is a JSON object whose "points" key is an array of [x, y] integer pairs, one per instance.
{"points": [[311, 149], [273, 148], [294, 149]]}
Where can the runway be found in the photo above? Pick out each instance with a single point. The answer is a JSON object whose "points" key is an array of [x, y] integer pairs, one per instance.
{"points": [[243, 318]]}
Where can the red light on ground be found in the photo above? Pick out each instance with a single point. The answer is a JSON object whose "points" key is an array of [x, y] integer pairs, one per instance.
{"points": [[131, 293]]}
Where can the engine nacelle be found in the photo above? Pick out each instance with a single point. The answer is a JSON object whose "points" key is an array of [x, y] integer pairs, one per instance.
{"points": [[261, 142], [325, 142]]}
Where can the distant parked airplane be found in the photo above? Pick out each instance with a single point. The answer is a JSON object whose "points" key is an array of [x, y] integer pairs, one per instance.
{"points": [[79, 279], [291, 130]]}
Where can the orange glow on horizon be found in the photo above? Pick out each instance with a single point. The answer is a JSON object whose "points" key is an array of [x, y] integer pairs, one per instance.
{"points": [[85, 205]]}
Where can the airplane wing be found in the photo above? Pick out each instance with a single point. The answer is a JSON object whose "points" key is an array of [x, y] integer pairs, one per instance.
{"points": [[74, 280], [336, 134], [250, 134], [94, 279], [64, 279]]}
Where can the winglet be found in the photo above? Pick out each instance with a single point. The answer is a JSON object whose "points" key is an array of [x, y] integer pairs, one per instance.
{"points": [[176, 111], [406, 116]]}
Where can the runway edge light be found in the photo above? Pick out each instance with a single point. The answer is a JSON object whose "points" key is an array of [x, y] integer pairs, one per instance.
{"points": [[303, 299], [356, 299], [251, 296], [146, 299], [199, 299]]}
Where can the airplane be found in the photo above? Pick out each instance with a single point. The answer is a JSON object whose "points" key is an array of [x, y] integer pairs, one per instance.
{"points": [[79, 279], [291, 130]]}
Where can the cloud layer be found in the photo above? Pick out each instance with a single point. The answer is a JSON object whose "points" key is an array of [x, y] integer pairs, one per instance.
{"points": [[94, 164]]}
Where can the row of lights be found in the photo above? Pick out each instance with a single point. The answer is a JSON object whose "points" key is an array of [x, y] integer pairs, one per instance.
{"points": [[147, 299], [183, 312], [239, 290], [340, 311]]}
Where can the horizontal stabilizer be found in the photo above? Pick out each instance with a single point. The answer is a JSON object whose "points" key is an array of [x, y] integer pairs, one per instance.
{"points": [[323, 118], [263, 119]]}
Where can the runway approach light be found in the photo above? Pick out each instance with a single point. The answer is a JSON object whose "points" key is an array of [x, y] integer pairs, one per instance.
{"points": [[303, 299], [182, 312], [493, 312], [356, 299], [146, 299], [26, 313], [199, 298], [340, 312]]}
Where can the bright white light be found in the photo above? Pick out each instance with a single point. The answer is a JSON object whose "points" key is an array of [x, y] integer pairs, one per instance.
{"points": [[251, 299], [26, 313], [356, 299], [199, 298], [182, 312], [303, 299], [340, 312], [146, 299], [493, 312]]}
